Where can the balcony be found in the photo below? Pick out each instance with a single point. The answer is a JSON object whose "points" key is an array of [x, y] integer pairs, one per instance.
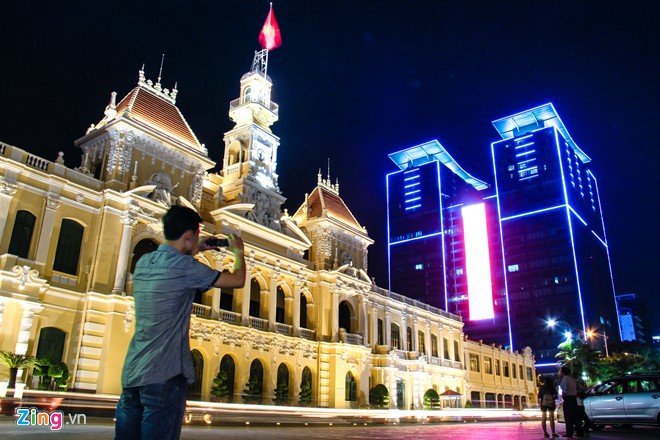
{"points": [[201, 311], [271, 106], [283, 329], [258, 323], [308, 334], [230, 317]]}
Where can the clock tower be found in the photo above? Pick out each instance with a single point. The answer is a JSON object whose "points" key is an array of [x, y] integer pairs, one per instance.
{"points": [[250, 162]]}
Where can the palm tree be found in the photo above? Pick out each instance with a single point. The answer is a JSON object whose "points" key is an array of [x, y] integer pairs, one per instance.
{"points": [[581, 358], [15, 362]]}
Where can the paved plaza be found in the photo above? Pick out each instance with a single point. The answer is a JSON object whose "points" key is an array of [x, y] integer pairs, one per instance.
{"points": [[104, 429]]}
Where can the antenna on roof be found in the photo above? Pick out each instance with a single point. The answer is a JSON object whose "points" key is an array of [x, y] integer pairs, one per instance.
{"points": [[161, 67], [328, 169]]}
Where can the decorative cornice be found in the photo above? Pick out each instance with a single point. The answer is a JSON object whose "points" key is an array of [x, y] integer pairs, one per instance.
{"points": [[8, 189]]}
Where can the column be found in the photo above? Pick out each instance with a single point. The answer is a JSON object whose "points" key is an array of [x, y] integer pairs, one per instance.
{"points": [[404, 333], [272, 300], [3, 303], [427, 342], [364, 325], [215, 303], [244, 292], [388, 329], [441, 345], [7, 191], [26, 325], [296, 307], [52, 203], [415, 337], [128, 220], [334, 328], [374, 325]]}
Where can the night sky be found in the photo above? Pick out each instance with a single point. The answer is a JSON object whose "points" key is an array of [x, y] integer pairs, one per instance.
{"points": [[356, 80]]}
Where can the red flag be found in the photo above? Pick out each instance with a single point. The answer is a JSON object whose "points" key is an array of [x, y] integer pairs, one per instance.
{"points": [[270, 37]]}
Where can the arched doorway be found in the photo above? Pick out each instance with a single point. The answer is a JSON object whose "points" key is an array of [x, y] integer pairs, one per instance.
{"points": [[282, 391], [305, 396], [400, 394], [195, 389], [224, 383], [254, 389], [143, 247], [345, 316]]}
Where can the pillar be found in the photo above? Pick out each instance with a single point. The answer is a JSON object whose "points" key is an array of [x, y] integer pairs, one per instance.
{"points": [[128, 220], [47, 225], [7, 191], [334, 312], [296, 307], [388, 329]]}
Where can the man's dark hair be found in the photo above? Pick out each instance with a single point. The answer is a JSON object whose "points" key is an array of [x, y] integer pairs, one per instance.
{"points": [[178, 220], [566, 370]]}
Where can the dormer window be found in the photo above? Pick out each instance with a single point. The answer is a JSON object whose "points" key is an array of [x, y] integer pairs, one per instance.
{"points": [[247, 94]]}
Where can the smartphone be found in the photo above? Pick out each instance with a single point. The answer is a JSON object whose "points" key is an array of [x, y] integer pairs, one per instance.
{"points": [[217, 242]]}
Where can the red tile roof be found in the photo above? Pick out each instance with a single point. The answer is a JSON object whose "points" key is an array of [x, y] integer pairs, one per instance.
{"points": [[324, 199], [143, 106]]}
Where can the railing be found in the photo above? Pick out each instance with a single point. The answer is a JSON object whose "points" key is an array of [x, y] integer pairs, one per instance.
{"points": [[233, 169], [283, 329], [258, 323], [353, 339], [231, 317], [254, 100], [201, 310], [308, 334], [37, 162], [413, 302]]}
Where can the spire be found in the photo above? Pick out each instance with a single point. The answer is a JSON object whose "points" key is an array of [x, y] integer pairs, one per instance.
{"points": [[157, 88]]}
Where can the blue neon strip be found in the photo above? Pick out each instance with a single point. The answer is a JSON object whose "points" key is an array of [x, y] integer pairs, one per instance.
{"points": [[411, 185], [442, 228], [547, 365], [416, 170], [523, 137], [411, 178], [413, 199], [529, 177], [499, 216], [599, 239], [576, 214], [408, 208], [389, 257], [490, 197], [454, 206], [415, 238], [570, 229], [527, 160], [412, 192], [525, 153], [532, 213], [525, 145]]}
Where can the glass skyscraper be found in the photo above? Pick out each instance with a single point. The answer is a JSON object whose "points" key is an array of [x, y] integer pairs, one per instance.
{"points": [[523, 261], [556, 259]]}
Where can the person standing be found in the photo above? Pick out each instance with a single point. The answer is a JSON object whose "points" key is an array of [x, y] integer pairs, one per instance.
{"points": [[568, 387], [583, 420], [547, 399], [158, 365]]}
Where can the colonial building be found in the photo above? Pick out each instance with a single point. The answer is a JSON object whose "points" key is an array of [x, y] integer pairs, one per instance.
{"points": [[309, 327]]}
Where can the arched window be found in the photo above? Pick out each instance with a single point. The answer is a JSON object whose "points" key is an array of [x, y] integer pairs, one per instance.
{"points": [[227, 299], [69, 242], [225, 382], [21, 236], [279, 308], [303, 310], [247, 94], [380, 332], [51, 343], [282, 394], [255, 298], [395, 337], [345, 316], [305, 396], [143, 247], [409, 339], [254, 389], [457, 353], [350, 388], [421, 343], [434, 346], [195, 389]]}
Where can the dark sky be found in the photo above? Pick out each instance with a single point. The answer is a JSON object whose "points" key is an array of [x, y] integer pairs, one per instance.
{"points": [[356, 80]]}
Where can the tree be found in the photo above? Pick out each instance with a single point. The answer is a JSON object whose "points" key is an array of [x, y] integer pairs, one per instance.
{"points": [[221, 390], [581, 358], [252, 393], [281, 392], [305, 395], [379, 396], [431, 399], [15, 362]]}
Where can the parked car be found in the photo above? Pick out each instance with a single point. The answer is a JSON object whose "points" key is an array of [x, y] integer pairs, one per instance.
{"points": [[633, 399]]}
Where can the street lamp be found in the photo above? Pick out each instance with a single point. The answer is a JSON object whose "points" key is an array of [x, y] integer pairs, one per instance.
{"points": [[589, 334]]}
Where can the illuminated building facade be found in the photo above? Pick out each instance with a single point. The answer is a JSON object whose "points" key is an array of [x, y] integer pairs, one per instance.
{"points": [[308, 328], [443, 240], [556, 257]]}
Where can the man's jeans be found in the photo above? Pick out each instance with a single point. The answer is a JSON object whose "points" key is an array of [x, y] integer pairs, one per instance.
{"points": [[152, 411]]}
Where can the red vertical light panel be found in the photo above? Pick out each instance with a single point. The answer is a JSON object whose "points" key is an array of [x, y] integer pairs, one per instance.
{"points": [[477, 262]]}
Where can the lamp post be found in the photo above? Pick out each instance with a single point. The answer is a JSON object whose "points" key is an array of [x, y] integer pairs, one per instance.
{"points": [[590, 334]]}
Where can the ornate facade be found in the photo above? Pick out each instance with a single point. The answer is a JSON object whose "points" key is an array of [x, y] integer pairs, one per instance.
{"points": [[308, 327]]}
